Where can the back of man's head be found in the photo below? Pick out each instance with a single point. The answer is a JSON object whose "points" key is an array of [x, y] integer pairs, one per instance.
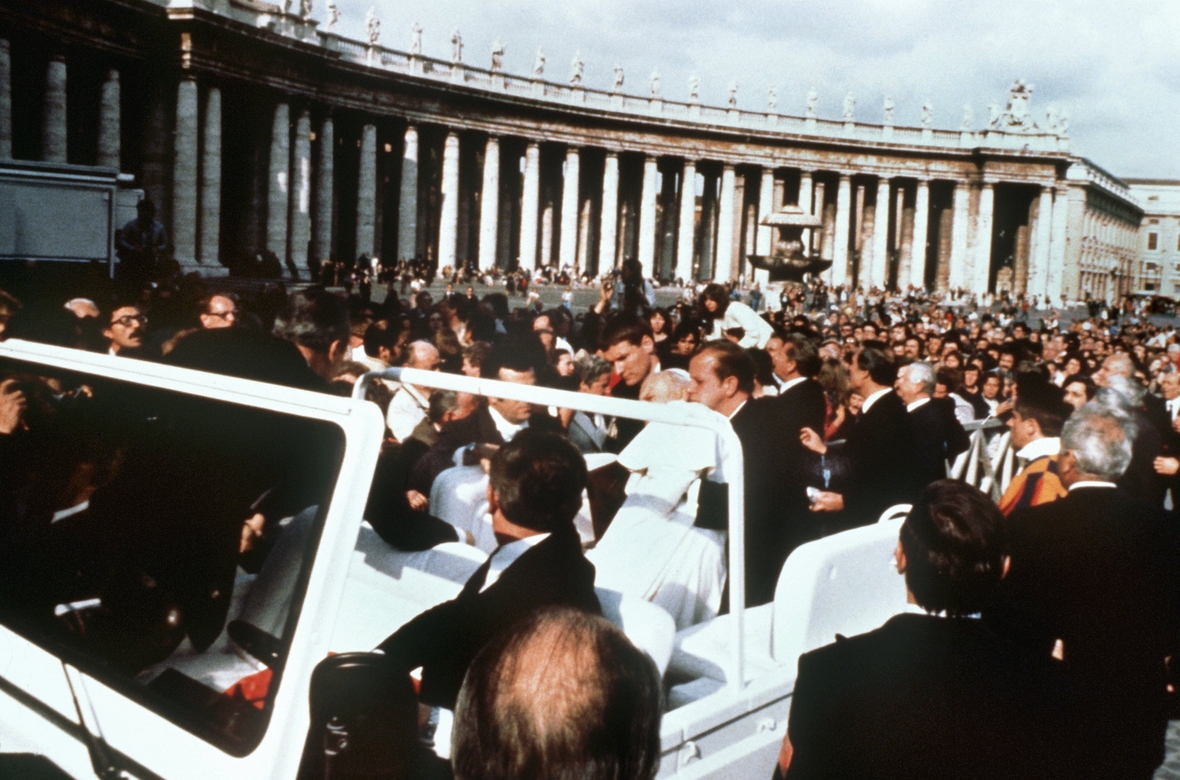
{"points": [[879, 365], [1045, 403], [954, 545], [804, 352], [521, 353], [538, 479], [314, 318], [562, 695], [1100, 438], [382, 334]]}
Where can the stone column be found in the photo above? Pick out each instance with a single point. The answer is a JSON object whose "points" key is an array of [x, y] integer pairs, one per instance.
{"points": [[879, 274], [843, 215], [806, 188], [983, 238], [726, 217], [647, 217], [1055, 284], [960, 263], [184, 173], [1038, 277], [489, 204], [301, 192], [209, 246], [5, 100], [108, 122], [53, 132], [529, 206], [608, 234], [570, 207], [407, 210], [324, 196], [366, 198], [688, 211], [448, 218], [764, 234], [921, 233], [278, 191], [546, 232]]}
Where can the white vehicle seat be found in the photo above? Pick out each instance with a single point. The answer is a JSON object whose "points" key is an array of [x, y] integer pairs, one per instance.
{"points": [[649, 628], [845, 583], [895, 512]]}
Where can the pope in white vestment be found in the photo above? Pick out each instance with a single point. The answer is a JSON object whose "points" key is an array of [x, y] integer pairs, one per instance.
{"points": [[651, 549]]}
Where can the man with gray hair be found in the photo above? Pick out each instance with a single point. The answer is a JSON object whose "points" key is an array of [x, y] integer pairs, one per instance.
{"points": [[939, 436], [1095, 580], [1126, 396]]}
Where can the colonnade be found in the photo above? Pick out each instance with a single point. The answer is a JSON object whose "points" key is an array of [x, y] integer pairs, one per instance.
{"points": [[880, 227]]}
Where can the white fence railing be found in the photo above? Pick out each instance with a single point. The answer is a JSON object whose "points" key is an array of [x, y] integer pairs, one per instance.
{"points": [[990, 462]]}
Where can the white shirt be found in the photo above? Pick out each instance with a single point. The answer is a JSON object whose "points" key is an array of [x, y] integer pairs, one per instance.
{"points": [[1049, 445], [407, 408], [735, 411], [507, 554], [1091, 484], [872, 399], [785, 386], [1173, 407], [915, 404], [507, 430]]}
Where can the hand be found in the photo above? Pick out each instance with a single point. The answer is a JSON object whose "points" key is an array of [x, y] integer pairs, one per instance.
{"points": [[418, 502], [12, 407], [251, 532], [827, 501], [812, 441], [1004, 407], [1166, 466]]}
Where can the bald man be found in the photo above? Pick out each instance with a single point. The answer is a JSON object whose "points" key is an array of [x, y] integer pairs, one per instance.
{"points": [[410, 403]]}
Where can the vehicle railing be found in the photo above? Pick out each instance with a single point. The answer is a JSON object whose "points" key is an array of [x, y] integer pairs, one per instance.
{"points": [[694, 415], [976, 467]]}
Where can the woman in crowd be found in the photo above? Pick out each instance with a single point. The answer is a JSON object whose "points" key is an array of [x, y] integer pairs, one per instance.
{"points": [[727, 315]]}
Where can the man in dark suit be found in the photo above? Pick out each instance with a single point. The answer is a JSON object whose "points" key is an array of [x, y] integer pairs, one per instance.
{"points": [[490, 425], [1095, 579], [1116, 375], [536, 490], [933, 693], [880, 452], [627, 344], [937, 432]]}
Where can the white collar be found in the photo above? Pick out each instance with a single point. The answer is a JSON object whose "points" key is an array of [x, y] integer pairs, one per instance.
{"points": [[735, 411], [1095, 483], [507, 430], [872, 399], [62, 514], [787, 385], [1046, 445], [506, 555], [915, 404]]}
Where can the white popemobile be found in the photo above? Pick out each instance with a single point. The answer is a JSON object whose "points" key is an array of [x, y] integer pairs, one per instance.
{"points": [[332, 585]]}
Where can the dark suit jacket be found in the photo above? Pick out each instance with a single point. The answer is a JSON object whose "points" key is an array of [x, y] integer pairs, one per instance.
{"points": [[927, 697], [1140, 479], [1100, 570], [939, 437], [882, 462], [777, 516], [445, 639]]}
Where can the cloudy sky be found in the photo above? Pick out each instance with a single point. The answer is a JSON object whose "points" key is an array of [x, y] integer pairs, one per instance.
{"points": [[1112, 65]]}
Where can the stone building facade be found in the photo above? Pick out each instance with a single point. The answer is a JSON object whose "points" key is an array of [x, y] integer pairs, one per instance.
{"points": [[1158, 238], [255, 127]]}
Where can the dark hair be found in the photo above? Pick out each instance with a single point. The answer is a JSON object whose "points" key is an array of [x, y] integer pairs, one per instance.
{"points": [[521, 353], [562, 694], [477, 353], [1086, 381], [1043, 402], [952, 378], [208, 299], [719, 295], [763, 366], [538, 479], [630, 328], [382, 333], [879, 364], [954, 545], [804, 352], [731, 360], [441, 402], [668, 321], [314, 318]]}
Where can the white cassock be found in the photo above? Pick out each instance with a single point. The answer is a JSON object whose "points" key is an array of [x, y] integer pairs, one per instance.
{"points": [[651, 549]]}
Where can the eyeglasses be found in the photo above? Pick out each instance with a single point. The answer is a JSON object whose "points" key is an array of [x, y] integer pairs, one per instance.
{"points": [[127, 320]]}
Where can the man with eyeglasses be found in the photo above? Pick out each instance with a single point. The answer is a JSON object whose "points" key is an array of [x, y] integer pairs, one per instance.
{"points": [[219, 310], [125, 331]]}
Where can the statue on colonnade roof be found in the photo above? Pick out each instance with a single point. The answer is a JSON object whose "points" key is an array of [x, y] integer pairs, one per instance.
{"points": [[655, 82], [1016, 117], [456, 46], [576, 69], [694, 88], [849, 106], [927, 113], [373, 26], [497, 56], [539, 64], [416, 40], [968, 117], [618, 77], [888, 105], [812, 102], [333, 15], [733, 88], [772, 98]]}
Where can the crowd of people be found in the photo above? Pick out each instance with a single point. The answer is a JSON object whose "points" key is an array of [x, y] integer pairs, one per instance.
{"points": [[1046, 619]]}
